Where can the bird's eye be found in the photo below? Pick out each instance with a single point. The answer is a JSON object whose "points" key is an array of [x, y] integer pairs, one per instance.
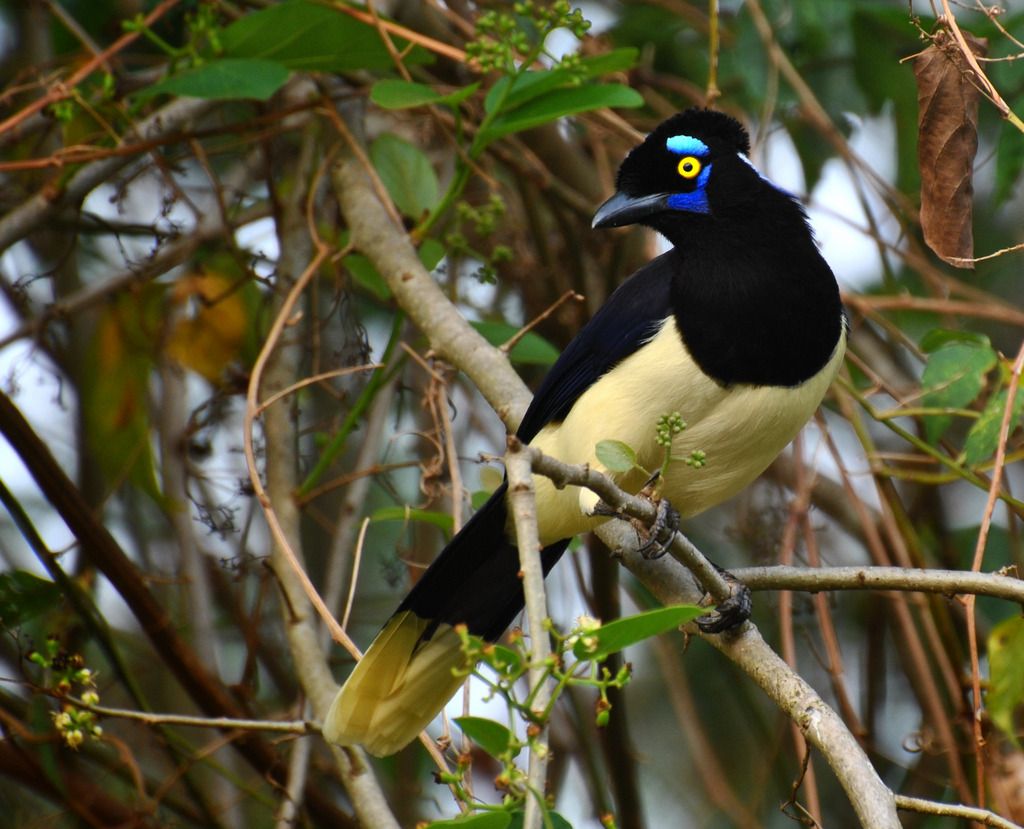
{"points": [[689, 167]]}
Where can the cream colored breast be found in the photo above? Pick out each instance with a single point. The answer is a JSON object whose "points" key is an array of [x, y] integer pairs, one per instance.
{"points": [[740, 429]]}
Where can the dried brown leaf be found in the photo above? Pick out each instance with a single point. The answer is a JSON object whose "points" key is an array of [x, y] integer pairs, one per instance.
{"points": [[947, 140]]}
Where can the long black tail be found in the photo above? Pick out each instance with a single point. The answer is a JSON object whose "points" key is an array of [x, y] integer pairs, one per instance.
{"points": [[416, 662], [475, 581]]}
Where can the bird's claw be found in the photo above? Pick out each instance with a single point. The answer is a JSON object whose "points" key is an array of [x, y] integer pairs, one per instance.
{"points": [[731, 613], [661, 532]]}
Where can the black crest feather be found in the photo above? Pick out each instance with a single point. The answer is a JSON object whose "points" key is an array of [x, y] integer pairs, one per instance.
{"points": [[716, 129], [644, 169]]}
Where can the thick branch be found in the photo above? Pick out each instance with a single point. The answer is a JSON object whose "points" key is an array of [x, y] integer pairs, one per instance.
{"points": [[388, 247], [822, 726], [682, 549]]}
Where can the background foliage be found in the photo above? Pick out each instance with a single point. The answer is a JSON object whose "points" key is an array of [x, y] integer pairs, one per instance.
{"points": [[166, 180]]}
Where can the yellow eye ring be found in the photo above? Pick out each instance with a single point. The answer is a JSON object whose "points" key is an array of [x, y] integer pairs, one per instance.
{"points": [[689, 167]]}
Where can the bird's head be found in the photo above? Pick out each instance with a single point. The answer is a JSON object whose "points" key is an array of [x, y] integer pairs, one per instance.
{"points": [[695, 163]]}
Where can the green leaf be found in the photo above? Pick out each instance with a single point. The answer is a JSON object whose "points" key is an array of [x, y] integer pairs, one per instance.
{"points": [[616, 455], [491, 736], [983, 438], [365, 275], [557, 821], [391, 93], [224, 79], [431, 253], [953, 378], [533, 83], [615, 636], [407, 174], [24, 596], [310, 37], [479, 498], [495, 93], [532, 349], [938, 337], [525, 87], [477, 820], [504, 659], [1005, 695], [559, 103], [617, 60], [438, 519]]}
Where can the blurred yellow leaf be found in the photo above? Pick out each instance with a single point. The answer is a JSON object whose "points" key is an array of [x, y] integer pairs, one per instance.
{"points": [[211, 339], [116, 386]]}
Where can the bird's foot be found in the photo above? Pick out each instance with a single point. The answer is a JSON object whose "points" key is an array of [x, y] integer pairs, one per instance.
{"points": [[661, 532], [658, 537], [731, 613]]}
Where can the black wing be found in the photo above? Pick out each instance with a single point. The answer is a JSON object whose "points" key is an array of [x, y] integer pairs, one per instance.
{"points": [[630, 317]]}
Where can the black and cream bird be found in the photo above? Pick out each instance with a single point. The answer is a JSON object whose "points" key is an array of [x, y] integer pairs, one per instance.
{"points": [[739, 327]]}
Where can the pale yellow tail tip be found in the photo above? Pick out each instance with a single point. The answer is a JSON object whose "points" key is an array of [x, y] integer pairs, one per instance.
{"points": [[397, 688]]}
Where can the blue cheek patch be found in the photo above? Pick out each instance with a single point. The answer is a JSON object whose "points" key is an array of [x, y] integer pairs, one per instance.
{"points": [[696, 200], [686, 145]]}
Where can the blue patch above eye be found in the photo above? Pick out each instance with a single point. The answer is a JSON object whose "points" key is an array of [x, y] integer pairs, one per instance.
{"points": [[686, 145], [695, 200]]}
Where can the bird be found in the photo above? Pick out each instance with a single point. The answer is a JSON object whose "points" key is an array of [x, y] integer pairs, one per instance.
{"points": [[738, 326]]}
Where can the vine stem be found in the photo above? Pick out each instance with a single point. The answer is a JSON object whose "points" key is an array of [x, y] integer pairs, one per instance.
{"points": [[979, 555]]}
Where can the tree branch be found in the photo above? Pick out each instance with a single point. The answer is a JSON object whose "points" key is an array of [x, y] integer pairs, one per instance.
{"points": [[947, 582], [930, 807], [388, 247], [524, 512]]}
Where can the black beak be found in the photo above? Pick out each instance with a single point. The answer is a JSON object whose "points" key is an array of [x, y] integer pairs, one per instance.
{"points": [[622, 209]]}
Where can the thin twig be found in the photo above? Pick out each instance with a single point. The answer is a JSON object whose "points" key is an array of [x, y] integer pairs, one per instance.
{"points": [[511, 342], [524, 512], [226, 723], [436, 46], [979, 555], [356, 559], [931, 807], [980, 78], [309, 381], [942, 582]]}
